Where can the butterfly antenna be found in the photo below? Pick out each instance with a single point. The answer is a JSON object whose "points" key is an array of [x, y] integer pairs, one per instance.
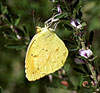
{"points": [[34, 21], [55, 25], [50, 21]]}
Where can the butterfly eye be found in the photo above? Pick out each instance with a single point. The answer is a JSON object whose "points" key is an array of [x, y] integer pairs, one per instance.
{"points": [[38, 29]]}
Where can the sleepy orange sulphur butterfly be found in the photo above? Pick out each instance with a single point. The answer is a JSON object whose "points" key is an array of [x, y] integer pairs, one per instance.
{"points": [[46, 54]]}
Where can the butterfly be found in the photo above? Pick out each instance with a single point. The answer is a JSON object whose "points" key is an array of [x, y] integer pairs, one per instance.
{"points": [[46, 54]]}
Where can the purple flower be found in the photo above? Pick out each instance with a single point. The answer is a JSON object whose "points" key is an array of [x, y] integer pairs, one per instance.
{"points": [[76, 23], [59, 9], [79, 61], [85, 53]]}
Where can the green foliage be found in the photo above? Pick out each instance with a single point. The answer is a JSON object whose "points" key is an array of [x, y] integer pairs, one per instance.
{"points": [[18, 21], [1, 91]]}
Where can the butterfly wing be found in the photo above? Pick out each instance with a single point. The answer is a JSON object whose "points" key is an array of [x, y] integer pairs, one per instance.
{"points": [[46, 54]]}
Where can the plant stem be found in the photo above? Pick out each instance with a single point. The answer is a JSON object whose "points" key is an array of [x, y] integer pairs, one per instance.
{"points": [[89, 64], [82, 43], [92, 72]]}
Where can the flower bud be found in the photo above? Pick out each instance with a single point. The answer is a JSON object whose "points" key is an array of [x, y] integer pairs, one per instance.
{"points": [[59, 9], [50, 78], [65, 83], [63, 71], [59, 74], [75, 23], [85, 53], [98, 90], [85, 83], [98, 77], [19, 37], [94, 83], [79, 61]]}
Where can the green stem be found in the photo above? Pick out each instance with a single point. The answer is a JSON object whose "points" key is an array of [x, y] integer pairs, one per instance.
{"points": [[82, 43], [89, 64], [92, 72]]}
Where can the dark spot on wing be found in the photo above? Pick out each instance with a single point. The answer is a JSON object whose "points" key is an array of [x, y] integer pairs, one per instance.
{"points": [[31, 54], [57, 49], [62, 61], [35, 56], [34, 40], [44, 49], [38, 68]]}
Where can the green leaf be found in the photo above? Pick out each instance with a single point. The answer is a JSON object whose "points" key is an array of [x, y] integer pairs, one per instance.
{"points": [[26, 33], [68, 27], [79, 71], [80, 13], [74, 49], [54, 10], [76, 3], [25, 29], [9, 18], [5, 10], [67, 67], [86, 90], [83, 24], [85, 68], [63, 15], [1, 90], [4, 27], [81, 81], [1, 8], [10, 36], [57, 90], [5, 20], [17, 20], [15, 46], [91, 37]]}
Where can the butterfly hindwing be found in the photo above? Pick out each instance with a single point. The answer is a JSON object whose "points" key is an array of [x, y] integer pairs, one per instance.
{"points": [[46, 54]]}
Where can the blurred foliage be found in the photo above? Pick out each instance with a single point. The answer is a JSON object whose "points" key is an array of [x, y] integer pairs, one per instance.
{"points": [[23, 16]]}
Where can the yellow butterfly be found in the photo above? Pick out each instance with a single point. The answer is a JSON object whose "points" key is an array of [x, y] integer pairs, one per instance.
{"points": [[46, 54]]}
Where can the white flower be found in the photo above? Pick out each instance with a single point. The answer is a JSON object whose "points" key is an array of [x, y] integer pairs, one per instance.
{"points": [[76, 23], [85, 53], [50, 78]]}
